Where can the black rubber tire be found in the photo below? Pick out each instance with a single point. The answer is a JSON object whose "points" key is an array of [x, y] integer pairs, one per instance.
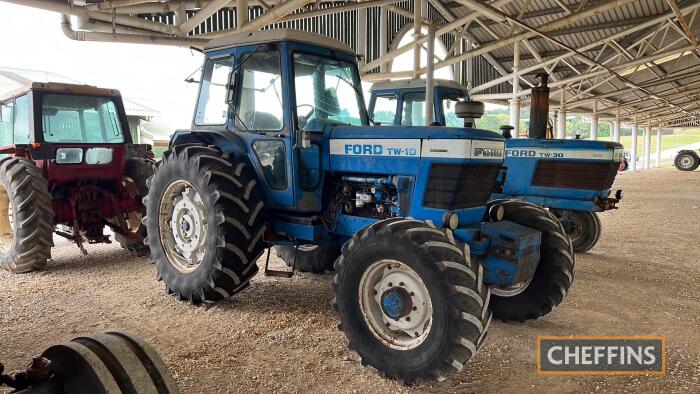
{"points": [[113, 362], [453, 279], [690, 156], [234, 205], [555, 270], [584, 230], [310, 258], [25, 190], [139, 170]]}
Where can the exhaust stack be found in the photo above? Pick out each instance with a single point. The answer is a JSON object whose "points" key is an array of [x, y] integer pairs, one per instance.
{"points": [[539, 108]]}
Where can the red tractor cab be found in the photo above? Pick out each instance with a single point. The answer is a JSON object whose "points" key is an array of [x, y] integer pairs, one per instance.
{"points": [[68, 165]]}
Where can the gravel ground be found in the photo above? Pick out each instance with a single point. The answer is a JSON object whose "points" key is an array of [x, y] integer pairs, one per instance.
{"points": [[280, 335]]}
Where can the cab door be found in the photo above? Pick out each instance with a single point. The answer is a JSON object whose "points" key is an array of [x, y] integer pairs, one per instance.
{"points": [[384, 109]]}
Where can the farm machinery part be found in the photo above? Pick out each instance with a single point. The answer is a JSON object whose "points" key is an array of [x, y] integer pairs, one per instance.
{"points": [[111, 362], [572, 178], [68, 166], [281, 153], [687, 160]]}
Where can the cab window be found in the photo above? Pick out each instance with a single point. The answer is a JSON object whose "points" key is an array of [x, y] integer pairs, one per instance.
{"points": [[20, 123], [212, 106], [384, 110], [413, 112], [6, 123], [327, 93], [259, 106], [69, 118]]}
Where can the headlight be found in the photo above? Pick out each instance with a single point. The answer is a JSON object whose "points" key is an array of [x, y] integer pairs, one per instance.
{"points": [[98, 156], [69, 155], [450, 220], [618, 154]]}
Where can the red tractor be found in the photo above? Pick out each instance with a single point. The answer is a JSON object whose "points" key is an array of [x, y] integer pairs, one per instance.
{"points": [[68, 166]]}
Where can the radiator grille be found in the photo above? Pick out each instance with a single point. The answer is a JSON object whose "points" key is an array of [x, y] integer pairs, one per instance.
{"points": [[575, 175], [455, 186]]}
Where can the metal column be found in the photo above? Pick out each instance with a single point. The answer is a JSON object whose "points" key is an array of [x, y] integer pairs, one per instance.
{"points": [[383, 36], [616, 128], [561, 127], [594, 122], [241, 12], [658, 147], [633, 160], [647, 147], [515, 101]]}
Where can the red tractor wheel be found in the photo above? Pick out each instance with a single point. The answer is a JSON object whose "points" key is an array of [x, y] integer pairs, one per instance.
{"points": [[26, 216], [135, 179]]}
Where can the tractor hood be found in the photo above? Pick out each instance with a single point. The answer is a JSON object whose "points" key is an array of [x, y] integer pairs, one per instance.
{"points": [[564, 149], [400, 150]]}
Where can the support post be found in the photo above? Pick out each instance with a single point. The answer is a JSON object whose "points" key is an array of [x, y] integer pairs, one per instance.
{"points": [[429, 77], [515, 101], [383, 36], [658, 147], [633, 156], [647, 147], [416, 36], [561, 127], [241, 13], [594, 122], [362, 35], [468, 66], [616, 128]]}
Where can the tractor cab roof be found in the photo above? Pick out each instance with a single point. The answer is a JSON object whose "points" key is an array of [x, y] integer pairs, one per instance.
{"points": [[60, 88], [276, 35], [415, 83]]}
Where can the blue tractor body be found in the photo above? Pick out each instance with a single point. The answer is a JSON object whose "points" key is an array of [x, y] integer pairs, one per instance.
{"points": [[281, 154], [568, 176]]}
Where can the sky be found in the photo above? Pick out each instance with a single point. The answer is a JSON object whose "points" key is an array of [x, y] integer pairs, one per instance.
{"points": [[150, 74]]}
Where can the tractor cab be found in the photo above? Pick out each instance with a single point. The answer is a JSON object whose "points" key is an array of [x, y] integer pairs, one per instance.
{"points": [[402, 102]]}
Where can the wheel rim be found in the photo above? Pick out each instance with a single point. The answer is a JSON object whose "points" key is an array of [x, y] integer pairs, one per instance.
{"points": [[395, 304], [685, 161], [7, 225], [183, 226], [511, 291], [573, 226]]}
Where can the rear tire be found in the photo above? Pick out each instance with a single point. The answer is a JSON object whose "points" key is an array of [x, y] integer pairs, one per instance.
{"points": [[114, 362], [436, 269], [315, 259], [211, 253], [584, 228], [26, 216], [555, 270], [138, 170], [687, 160]]}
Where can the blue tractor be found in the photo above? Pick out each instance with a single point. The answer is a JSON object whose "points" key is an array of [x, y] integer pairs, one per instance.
{"points": [[281, 153], [572, 178]]}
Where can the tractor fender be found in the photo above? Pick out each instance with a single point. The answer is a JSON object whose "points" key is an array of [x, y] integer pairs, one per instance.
{"points": [[225, 140]]}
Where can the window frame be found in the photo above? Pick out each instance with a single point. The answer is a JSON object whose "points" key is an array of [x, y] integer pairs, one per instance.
{"points": [[364, 113], [228, 87], [11, 104], [396, 107], [238, 85]]}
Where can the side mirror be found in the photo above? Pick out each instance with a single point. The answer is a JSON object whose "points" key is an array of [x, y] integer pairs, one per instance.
{"points": [[469, 109], [231, 86]]}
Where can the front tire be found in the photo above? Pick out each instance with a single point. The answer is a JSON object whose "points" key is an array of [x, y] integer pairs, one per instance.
{"points": [[584, 228], [205, 223], [401, 269], [553, 276], [26, 216], [687, 160]]}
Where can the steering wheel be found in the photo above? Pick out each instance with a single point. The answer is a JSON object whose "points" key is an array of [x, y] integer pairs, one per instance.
{"points": [[303, 119]]}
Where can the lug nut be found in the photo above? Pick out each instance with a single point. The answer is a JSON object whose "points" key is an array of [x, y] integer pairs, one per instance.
{"points": [[401, 284], [408, 318]]}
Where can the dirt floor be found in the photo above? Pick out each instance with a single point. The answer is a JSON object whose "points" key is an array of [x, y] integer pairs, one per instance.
{"points": [[279, 335]]}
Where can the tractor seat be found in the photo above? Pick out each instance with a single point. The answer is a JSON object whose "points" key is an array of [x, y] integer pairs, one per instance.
{"points": [[257, 120]]}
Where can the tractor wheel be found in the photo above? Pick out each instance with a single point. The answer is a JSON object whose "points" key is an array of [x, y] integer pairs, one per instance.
{"points": [[687, 160], [114, 362], [553, 276], [205, 223], [138, 170], [410, 299], [584, 228], [310, 258], [26, 216]]}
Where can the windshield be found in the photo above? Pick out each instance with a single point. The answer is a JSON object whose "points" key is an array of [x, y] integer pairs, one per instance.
{"points": [[327, 93], [80, 119]]}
